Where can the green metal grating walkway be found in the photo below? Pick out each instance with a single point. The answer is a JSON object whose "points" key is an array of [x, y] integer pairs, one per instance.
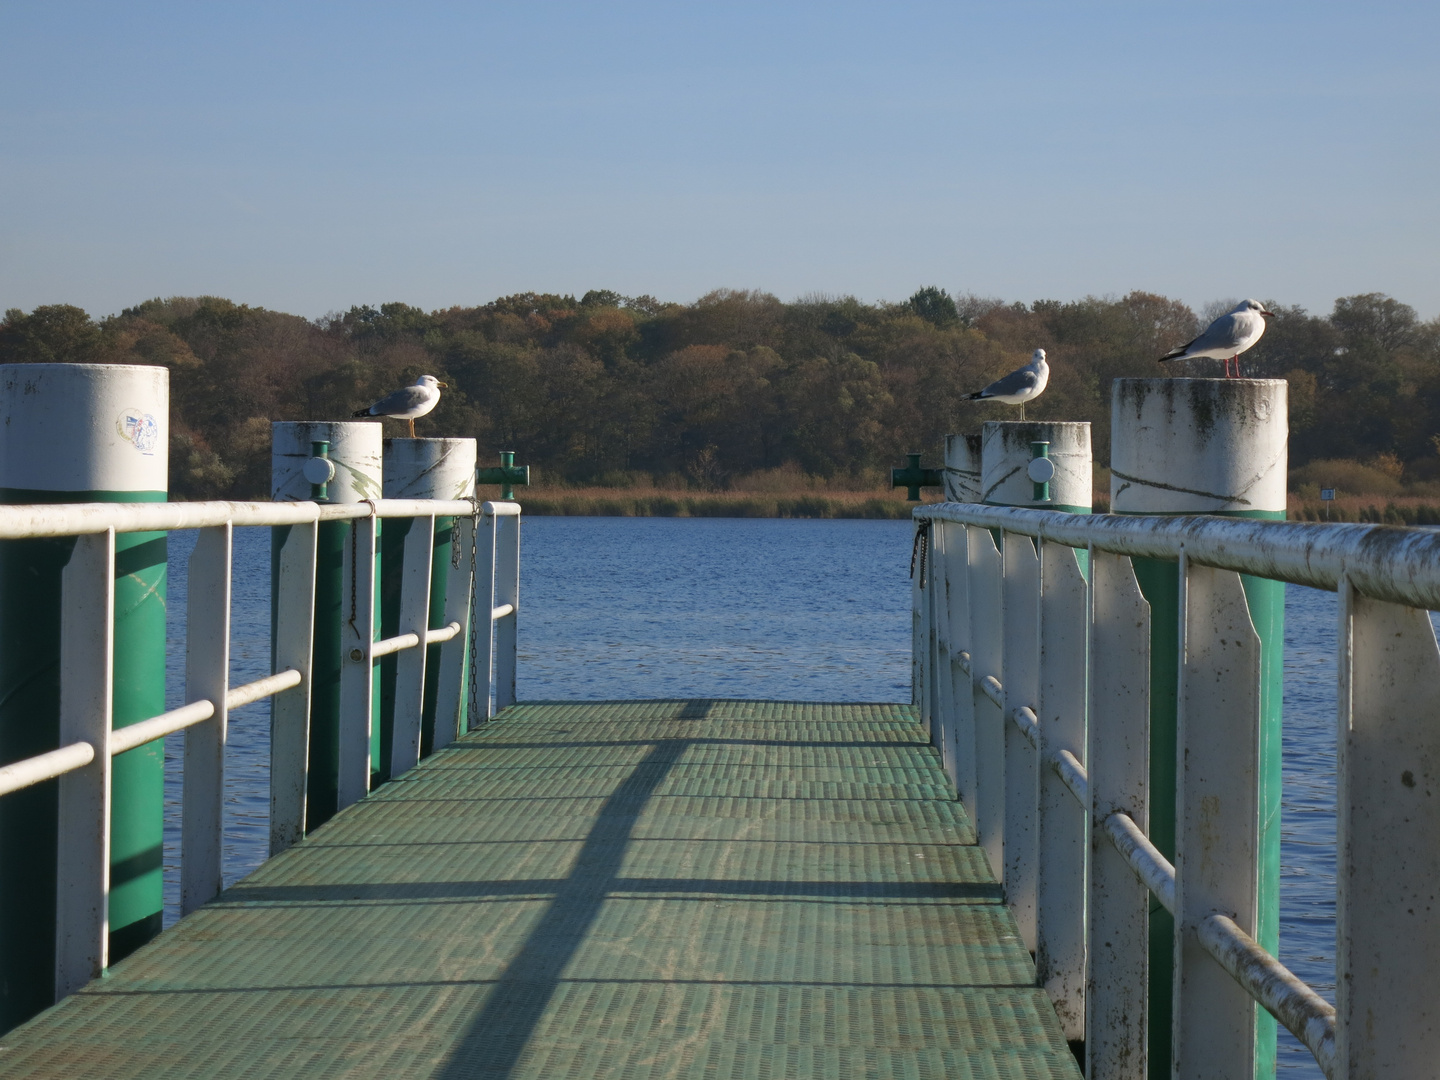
{"points": [[716, 889]]}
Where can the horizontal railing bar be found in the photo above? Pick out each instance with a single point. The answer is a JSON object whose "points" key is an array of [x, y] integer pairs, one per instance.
{"points": [[1385, 562], [445, 633], [501, 611], [157, 727], [1305, 1014], [262, 688], [1073, 774], [500, 509], [1152, 868], [35, 770], [76, 519], [993, 690], [1025, 720], [390, 645], [167, 723], [964, 659]]}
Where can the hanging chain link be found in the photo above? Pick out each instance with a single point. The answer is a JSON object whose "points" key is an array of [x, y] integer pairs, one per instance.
{"points": [[920, 549]]}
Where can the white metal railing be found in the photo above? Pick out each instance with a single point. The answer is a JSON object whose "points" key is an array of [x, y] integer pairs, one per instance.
{"points": [[486, 541], [1032, 675]]}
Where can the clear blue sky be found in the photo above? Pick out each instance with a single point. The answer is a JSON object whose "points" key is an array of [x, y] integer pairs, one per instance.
{"points": [[310, 156]]}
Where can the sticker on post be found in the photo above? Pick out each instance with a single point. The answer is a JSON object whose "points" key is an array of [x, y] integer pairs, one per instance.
{"points": [[140, 429]]}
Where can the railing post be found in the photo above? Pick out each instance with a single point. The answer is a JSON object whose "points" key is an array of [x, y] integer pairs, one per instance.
{"points": [[482, 688], [1060, 914], [1388, 817], [1021, 682], [942, 708], [918, 632], [207, 677], [1117, 760], [87, 620], [1204, 446], [1216, 855], [507, 591], [355, 465], [451, 686], [416, 469], [357, 671], [987, 801], [958, 751], [414, 618], [294, 622]]}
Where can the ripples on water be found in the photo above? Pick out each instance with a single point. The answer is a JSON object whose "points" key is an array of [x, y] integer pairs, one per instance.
{"points": [[794, 610]]}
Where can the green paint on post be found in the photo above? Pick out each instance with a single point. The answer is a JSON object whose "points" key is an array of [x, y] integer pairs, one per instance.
{"points": [[1160, 585], [323, 774], [507, 475], [30, 584]]}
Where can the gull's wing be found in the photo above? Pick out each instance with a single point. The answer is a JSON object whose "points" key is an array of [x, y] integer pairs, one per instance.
{"points": [[1017, 382], [402, 400]]}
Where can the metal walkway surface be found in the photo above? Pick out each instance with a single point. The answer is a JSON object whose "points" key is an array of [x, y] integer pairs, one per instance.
{"points": [[716, 889]]}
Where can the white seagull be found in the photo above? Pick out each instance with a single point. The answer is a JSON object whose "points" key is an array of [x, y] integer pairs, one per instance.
{"points": [[410, 402], [1227, 337], [1021, 385]]}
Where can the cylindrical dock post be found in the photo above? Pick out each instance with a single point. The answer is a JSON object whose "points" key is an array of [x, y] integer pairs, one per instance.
{"points": [[1007, 477], [419, 469], [354, 450], [79, 433], [1204, 446], [962, 468]]}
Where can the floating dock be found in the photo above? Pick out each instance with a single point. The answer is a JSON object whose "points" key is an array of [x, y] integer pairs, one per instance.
{"points": [[718, 889]]}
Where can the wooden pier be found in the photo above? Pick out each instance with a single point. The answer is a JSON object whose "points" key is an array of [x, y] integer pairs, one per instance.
{"points": [[717, 889]]}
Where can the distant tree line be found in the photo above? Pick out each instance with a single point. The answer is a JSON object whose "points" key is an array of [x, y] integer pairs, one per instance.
{"points": [[609, 389]]}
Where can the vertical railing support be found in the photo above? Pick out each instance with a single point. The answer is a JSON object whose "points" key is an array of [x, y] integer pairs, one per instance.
{"points": [[507, 591], [1021, 681], [207, 677], [1060, 915], [919, 630], [942, 708], [1216, 854], [959, 748], [410, 665], [357, 639], [87, 620], [987, 808], [448, 697], [1118, 761], [290, 709], [1387, 931], [482, 688]]}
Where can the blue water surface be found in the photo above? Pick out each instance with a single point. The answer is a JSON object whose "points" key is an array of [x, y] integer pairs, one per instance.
{"points": [[755, 608]]}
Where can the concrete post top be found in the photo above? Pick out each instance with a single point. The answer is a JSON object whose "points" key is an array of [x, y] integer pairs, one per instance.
{"points": [[1006, 454], [1199, 446], [962, 468], [84, 427], [355, 451], [430, 468]]}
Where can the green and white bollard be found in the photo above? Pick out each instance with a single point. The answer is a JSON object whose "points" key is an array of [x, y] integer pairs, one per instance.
{"points": [[354, 475], [962, 468], [79, 433], [419, 469], [1204, 446], [1007, 477]]}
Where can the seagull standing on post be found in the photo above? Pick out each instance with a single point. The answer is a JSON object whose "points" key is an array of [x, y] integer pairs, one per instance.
{"points": [[410, 403], [1227, 337], [1021, 385]]}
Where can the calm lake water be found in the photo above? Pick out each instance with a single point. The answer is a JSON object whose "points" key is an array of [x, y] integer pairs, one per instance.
{"points": [[783, 609]]}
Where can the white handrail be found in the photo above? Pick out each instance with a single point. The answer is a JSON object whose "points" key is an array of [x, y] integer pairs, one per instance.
{"points": [[47, 766]]}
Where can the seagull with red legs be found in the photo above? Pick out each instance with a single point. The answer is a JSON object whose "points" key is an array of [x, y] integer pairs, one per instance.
{"points": [[1227, 337]]}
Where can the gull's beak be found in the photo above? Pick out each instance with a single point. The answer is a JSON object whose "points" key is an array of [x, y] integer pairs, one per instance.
{"points": [[1263, 313], [446, 385]]}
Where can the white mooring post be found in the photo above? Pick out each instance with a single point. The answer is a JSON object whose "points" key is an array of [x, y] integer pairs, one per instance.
{"points": [[421, 469], [1209, 446], [962, 468], [1048, 466], [342, 687]]}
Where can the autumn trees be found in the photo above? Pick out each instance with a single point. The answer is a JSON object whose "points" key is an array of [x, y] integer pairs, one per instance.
{"points": [[610, 388]]}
